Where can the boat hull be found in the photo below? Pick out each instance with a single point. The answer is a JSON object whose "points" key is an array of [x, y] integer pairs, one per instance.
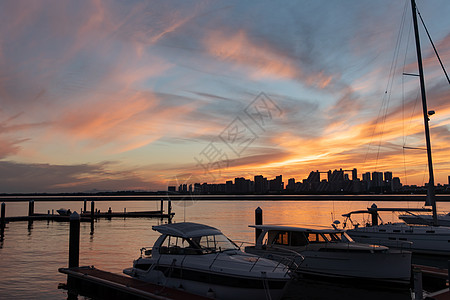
{"points": [[391, 266], [420, 239], [211, 284]]}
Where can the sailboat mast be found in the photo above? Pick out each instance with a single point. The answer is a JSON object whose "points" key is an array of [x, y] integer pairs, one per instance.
{"points": [[431, 199]]}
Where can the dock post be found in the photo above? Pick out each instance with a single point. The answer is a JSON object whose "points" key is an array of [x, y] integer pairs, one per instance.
{"points": [[84, 206], [74, 240], [3, 221], [258, 221], [92, 216], [162, 206], [418, 289], [169, 211], [30, 208], [448, 271], [92, 210]]}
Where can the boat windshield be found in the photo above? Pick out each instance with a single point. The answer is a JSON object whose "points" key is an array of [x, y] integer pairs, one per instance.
{"points": [[215, 243]]}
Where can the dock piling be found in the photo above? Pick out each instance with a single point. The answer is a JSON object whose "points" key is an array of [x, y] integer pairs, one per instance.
{"points": [[30, 208], [169, 211], [258, 221], [92, 216], [418, 289], [74, 240], [3, 221], [448, 271], [84, 205]]}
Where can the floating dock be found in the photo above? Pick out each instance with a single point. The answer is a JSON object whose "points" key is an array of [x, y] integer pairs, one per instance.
{"points": [[93, 282], [86, 217]]}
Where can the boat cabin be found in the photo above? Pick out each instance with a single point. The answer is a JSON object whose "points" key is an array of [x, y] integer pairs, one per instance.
{"points": [[273, 235], [189, 239]]}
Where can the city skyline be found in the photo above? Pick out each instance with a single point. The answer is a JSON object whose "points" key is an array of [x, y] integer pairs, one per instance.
{"points": [[136, 95], [335, 181]]}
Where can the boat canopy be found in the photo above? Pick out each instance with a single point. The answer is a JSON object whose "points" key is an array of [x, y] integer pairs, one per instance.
{"points": [[371, 210], [186, 229], [294, 228]]}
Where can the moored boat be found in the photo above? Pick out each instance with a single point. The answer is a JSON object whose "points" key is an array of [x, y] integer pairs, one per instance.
{"points": [[331, 253], [201, 260]]}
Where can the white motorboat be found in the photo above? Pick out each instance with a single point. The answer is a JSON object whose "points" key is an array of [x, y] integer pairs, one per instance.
{"points": [[201, 260], [331, 253], [430, 238]]}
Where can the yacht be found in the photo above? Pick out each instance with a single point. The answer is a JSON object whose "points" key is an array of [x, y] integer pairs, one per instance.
{"points": [[430, 238], [424, 239], [331, 253], [201, 260]]}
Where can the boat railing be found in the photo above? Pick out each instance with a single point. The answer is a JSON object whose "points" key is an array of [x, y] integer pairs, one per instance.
{"points": [[256, 260], [289, 261]]}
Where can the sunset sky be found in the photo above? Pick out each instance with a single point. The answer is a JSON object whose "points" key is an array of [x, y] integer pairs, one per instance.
{"points": [[125, 95]]}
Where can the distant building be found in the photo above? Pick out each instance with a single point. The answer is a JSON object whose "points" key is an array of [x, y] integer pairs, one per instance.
{"points": [[354, 174], [229, 187], [387, 177], [396, 185], [171, 188], [260, 185], [366, 176], [276, 185], [377, 179], [241, 185], [291, 185]]}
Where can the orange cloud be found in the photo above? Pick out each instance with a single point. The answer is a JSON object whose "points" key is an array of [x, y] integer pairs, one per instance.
{"points": [[262, 59]]}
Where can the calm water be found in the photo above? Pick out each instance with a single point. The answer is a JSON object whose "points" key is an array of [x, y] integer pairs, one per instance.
{"points": [[31, 255]]}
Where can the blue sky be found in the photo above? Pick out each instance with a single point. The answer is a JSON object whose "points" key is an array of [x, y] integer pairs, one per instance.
{"points": [[118, 95]]}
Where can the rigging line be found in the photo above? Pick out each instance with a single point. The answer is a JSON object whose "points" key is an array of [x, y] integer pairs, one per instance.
{"points": [[390, 83], [404, 166], [432, 44], [403, 99]]}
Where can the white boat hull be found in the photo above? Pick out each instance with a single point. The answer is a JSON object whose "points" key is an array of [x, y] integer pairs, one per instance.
{"points": [[392, 266], [235, 288], [422, 239]]}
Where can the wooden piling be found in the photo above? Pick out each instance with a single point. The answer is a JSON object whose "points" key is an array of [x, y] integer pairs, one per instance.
{"points": [[169, 211], [84, 205], [448, 272], [169, 207], [418, 289], [2, 220], [258, 221], [92, 210], [30, 208], [74, 240], [92, 216], [162, 206]]}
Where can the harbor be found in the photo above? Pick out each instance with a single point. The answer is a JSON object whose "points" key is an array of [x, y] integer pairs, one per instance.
{"points": [[116, 242]]}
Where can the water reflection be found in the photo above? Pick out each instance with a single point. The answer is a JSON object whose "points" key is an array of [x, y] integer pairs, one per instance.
{"points": [[307, 289], [33, 254]]}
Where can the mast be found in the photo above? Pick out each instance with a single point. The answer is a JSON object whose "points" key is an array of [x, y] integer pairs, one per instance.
{"points": [[431, 200]]}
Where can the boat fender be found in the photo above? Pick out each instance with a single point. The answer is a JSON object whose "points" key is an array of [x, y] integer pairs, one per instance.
{"points": [[210, 293]]}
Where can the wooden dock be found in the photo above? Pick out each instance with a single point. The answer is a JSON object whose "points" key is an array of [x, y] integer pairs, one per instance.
{"points": [[86, 217], [93, 282], [435, 279]]}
